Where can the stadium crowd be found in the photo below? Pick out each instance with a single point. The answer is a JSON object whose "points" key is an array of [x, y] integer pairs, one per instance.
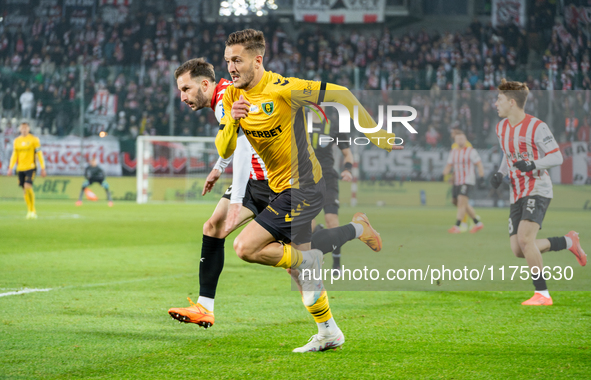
{"points": [[40, 78]]}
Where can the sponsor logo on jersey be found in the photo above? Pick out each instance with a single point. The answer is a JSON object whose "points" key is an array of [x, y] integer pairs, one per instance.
{"points": [[268, 108], [272, 210], [266, 134], [254, 108], [518, 156], [548, 139]]}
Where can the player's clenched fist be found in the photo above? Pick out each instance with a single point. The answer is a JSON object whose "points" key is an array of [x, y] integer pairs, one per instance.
{"points": [[240, 108]]}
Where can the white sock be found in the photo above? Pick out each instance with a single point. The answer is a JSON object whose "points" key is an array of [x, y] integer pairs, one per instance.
{"points": [[206, 302], [327, 328], [569, 242], [358, 229], [545, 293]]}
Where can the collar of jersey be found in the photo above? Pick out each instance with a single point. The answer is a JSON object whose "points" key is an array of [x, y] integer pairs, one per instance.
{"points": [[527, 117], [261, 85]]}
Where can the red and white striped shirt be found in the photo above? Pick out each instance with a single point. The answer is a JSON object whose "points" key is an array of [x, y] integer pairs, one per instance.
{"points": [[463, 161], [529, 140], [258, 170]]}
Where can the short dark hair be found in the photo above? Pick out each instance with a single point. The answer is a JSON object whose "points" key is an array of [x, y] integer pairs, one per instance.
{"points": [[197, 67], [517, 91], [252, 40]]}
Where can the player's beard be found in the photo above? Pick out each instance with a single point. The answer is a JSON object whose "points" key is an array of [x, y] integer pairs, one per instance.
{"points": [[246, 78], [200, 100]]}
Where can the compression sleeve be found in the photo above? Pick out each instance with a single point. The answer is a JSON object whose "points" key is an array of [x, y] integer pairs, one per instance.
{"points": [[504, 168], [545, 142], [242, 166], [549, 161], [222, 163]]}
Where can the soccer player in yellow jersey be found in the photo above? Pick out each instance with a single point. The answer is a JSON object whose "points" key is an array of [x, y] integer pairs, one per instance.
{"points": [[269, 109], [26, 148]]}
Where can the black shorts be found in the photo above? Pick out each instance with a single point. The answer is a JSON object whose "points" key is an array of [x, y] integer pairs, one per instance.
{"points": [[528, 208], [461, 190], [256, 197], [26, 176], [289, 215], [331, 200]]}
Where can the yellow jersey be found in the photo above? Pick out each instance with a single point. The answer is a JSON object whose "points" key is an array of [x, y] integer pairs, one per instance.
{"points": [[455, 145], [276, 126], [23, 154]]}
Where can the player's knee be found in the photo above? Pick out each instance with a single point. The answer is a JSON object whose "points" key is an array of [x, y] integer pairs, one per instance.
{"points": [[242, 250], [517, 251], [523, 241], [210, 228]]}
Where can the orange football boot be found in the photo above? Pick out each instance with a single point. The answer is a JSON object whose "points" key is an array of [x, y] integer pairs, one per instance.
{"points": [[576, 248], [369, 236], [193, 314], [477, 227], [454, 230], [538, 300]]}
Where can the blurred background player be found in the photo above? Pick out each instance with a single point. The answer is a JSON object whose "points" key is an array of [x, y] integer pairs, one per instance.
{"points": [[463, 159], [93, 173], [529, 150], [323, 138], [26, 148], [449, 178]]}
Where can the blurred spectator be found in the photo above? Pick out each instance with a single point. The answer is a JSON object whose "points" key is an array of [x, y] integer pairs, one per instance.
{"points": [[27, 100], [571, 125], [8, 104], [47, 118], [584, 132]]}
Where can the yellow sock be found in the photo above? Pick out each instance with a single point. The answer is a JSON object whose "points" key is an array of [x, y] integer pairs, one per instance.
{"points": [[27, 200], [31, 199], [465, 220], [292, 258], [321, 309]]}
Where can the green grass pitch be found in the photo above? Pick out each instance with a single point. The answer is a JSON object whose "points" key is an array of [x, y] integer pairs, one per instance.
{"points": [[114, 273]]}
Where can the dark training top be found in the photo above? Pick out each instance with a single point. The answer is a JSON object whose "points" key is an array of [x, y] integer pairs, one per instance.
{"points": [[323, 149], [94, 173]]}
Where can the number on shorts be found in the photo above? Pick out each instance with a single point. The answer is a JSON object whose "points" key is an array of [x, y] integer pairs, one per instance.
{"points": [[510, 226]]}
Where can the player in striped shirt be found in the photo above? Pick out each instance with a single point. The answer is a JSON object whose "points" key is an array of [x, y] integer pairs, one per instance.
{"points": [[529, 149], [463, 159], [244, 199]]}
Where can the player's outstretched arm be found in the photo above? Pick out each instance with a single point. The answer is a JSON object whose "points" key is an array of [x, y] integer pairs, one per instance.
{"points": [[12, 163], [39, 155], [210, 181], [342, 95], [447, 169]]}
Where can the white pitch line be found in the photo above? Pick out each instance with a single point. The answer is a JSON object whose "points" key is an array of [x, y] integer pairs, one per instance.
{"points": [[27, 290], [23, 291]]}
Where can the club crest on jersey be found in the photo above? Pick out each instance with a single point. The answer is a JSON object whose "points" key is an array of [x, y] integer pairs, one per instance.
{"points": [[268, 108]]}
